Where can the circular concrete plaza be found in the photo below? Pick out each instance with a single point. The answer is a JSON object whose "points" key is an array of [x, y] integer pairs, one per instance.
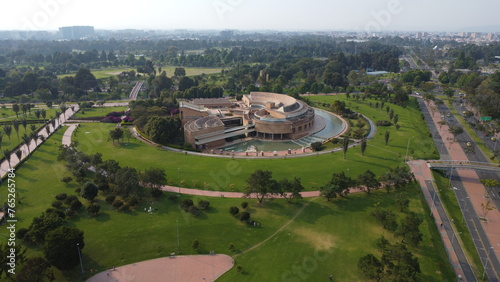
{"points": [[172, 269]]}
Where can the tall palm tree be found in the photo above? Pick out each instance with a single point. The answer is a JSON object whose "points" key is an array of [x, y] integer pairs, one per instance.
{"points": [[8, 130], [37, 114], [19, 154], [34, 136], [24, 123], [7, 153], [15, 124], [33, 127], [26, 140], [44, 114]]}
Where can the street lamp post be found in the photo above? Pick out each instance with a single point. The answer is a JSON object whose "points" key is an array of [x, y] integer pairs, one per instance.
{"points": [[178, 240], [407, 147], [80, 257]]}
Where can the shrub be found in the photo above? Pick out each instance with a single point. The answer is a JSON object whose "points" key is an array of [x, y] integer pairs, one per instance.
{"points": [[156, 193], [133, 201], [244, 205], [110, 199], [93, 209], [383, 123], [70, 199], [61, 197], [117, 203], [67, 179], [194, 210], [75, 205], [244, 216], [202, 204], [185, 204], [56, 204], [21, 232], [316, 146], [234, 210]]}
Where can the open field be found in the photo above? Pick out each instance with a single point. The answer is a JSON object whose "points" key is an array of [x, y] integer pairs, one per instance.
{"points": [[335, 233], [105, 73]]}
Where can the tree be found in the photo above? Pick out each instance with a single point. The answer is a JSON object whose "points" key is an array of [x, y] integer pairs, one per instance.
{"points": [[7, 154], [368, 181], [127, 182], [196, 244], [490, 183], [290, 189], [402, 202], [363, 146], [116, 134], [408, 229], [387, 136], [89, 191], [16, 109], [244, 216], [345, 145], [34, 137], [19, 154], [35, 269], [371, 267], [93, 209], [386, 217], [397, 177], [455, 130], [337, 186], [24, 123], [62, 246], [203, 204], [316, 146], [234, 210], [15, 124], [179, 71], [8, 130], [261, 184], [153, 178], [486, 208], [163, 130]]}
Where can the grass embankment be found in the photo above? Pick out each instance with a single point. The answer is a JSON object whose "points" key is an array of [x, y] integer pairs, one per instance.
{"points": [[449, 200]]}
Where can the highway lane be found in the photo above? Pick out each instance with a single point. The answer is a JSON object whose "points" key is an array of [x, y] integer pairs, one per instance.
{"points": [[447, 227], [481, 242]]}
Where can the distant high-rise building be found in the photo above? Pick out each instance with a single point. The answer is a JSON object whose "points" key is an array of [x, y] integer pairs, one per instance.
{"points": [[76, 32]]}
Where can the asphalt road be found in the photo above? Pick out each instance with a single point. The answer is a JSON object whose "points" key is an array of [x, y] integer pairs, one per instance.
{"points": [[470, 218], [447, 227]]}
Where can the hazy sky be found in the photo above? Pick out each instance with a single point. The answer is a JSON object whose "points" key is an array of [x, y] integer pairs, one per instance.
{"points": [[371, 15]]}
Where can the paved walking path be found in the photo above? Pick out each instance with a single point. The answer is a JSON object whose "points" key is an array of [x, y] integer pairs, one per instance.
{"points": [[32, 146]]}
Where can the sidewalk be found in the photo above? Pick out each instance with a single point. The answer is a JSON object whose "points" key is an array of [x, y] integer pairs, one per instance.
{"points": [[26, 150], [475, 190]]}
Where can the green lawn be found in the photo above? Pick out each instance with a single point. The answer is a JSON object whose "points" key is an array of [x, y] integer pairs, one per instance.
{"points": [[98, 111], [336, 233], [106, 73], [219, 174]]}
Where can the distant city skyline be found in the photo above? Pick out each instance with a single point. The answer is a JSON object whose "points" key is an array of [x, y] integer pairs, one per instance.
{"points": [[289, 15]]}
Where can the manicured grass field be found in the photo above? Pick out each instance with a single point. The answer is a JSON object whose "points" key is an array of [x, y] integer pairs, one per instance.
{"points": [[220, 173], [106, 73], [97, 111], [335, 234]]}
